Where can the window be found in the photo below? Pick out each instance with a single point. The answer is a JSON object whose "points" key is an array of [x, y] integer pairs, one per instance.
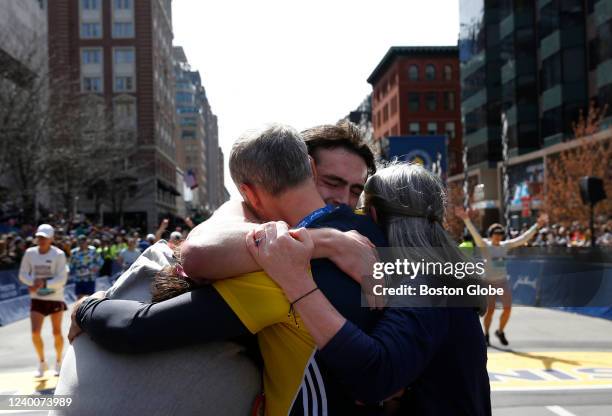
{"points": [[413, 101], [124, 84], [91, 56], [124, 56], [386, 112], [449, 128], [413, 73], [91, 30], [184, 97], [414, 129], [449, 101], [92, 84], [125, 114], [432, 128], [430, 72], [448, 73], [123, 4], [430, 100], [123, 30], [90, 4], [188, 134], [188, 121]]}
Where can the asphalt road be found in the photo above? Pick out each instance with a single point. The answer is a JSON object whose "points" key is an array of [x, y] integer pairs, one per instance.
{"points": [[557, 363]]}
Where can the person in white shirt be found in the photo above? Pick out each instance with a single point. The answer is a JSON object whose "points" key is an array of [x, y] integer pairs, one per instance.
{"points": [[44, 270], [495, 251]]}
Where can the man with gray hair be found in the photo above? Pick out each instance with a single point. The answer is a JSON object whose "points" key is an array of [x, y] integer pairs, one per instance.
{"points": [[272, 188]]}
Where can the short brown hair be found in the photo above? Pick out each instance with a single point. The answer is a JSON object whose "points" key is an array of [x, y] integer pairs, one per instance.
{"points": [[343, 134]]}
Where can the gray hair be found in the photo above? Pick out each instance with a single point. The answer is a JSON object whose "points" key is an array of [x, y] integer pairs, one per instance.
{"points": [[419, 200], [274, 158], [410, 203]]}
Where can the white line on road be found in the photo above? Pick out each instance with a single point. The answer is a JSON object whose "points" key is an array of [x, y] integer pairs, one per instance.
{"points": [[558, 410]]}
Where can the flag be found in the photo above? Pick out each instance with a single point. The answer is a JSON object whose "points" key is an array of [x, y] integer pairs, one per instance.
{"points": [[190, 179]]}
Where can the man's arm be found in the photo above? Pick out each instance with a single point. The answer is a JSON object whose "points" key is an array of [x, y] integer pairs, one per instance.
{"points": [[131, 326], [216, 249]]}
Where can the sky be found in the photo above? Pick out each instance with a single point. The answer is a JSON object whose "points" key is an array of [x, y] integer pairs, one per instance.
{"points": [[298, 63]]}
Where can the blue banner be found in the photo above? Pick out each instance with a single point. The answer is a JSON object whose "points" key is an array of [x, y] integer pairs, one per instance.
{"points": [[430, 151]]}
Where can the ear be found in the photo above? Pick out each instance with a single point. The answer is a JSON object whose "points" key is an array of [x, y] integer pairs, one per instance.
{"points": [[249, 193], [313, 167]]}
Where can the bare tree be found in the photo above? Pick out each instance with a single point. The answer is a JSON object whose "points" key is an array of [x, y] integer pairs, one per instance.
{"points": [[54, 137]]}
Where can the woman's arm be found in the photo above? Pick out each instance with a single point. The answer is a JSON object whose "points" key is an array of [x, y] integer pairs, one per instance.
{"points": [[131, 326], [527, 235], [373, 366]]}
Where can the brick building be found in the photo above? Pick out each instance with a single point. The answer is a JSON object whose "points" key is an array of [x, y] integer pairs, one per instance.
{"points": [[417, 92], [118, 54]]}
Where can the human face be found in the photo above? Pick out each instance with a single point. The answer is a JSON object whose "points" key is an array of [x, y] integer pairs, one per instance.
{"points": [[497, 238], [340, 177], [43, 243]]}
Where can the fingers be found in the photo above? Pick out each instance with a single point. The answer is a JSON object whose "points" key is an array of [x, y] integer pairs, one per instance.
{"points": [[281, 228], [250, 243], [270, 232]]}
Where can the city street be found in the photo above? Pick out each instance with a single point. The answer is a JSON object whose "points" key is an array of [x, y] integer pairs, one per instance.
{"points": [[558, 364]]}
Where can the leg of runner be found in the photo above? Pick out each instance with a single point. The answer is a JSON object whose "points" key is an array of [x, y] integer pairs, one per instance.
{"points": [[56, 321], [37, 319], [489, 316], [505, 316]]}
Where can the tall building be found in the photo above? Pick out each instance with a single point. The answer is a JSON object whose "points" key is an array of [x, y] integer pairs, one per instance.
{"points": [[198, 150], [191, 135], [217, 194], [23, 40], [539, 63], [416, 92], [118, 55]]}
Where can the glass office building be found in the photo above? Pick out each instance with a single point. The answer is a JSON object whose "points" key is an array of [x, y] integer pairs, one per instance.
{"points": [[540, 62]]}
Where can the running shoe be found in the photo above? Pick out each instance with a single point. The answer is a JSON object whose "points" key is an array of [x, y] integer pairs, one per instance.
{"points": [[42, 367], [502, 337], [58, 367]]}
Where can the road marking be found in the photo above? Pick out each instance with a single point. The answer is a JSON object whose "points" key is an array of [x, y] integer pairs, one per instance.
{"points": [[558, 410], [26, 383], [553, 370]]}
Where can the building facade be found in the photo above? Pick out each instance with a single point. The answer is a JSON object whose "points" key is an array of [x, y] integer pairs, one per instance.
{"points": [[118, 55], [198, 151], [23, 40], [416, 92], [540, 63], [23, 98], [191, 136]]}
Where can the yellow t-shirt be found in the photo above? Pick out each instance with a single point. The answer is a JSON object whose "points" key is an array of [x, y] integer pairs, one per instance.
{"points": [[286, 346]]}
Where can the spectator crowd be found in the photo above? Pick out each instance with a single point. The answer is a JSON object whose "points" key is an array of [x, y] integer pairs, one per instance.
{"points": [[117, 247]]}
